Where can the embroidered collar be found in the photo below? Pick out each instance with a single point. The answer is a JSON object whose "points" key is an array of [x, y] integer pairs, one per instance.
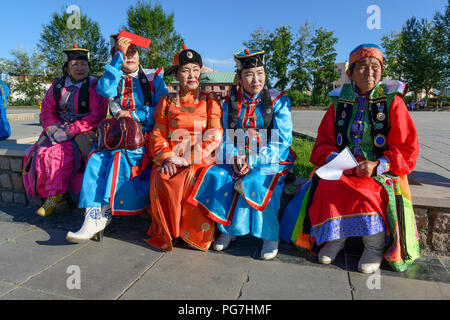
{"points": [[133, 74], [250, 99], [69, 82]]}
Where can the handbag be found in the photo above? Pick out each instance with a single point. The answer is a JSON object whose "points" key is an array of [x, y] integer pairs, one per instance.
{"points": [[124, 133]]}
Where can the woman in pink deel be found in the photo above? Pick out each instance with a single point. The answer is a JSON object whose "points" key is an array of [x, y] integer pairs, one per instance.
{"points": [[70, 111]]}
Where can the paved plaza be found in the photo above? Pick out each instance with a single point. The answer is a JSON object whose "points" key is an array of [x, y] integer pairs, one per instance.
{"points": [[36, 262]]}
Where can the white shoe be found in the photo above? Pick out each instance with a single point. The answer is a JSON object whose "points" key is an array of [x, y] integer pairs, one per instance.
{"points": [[223, 241], [330, 250], [269, 250], [95, 222], [373, 253]]}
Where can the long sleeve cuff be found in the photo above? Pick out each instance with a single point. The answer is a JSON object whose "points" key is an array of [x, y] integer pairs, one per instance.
{"points": [[383, 166], [331, 156], [118, 59]]}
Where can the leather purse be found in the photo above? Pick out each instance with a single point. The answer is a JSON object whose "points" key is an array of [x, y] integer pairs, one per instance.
{"points": [[124, 133]]}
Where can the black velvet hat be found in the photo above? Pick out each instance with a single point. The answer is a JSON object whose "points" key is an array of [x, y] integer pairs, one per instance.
{"points": [[183, 57]]}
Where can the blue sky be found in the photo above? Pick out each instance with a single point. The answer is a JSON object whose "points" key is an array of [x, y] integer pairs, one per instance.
{"points": [[217, 28]]}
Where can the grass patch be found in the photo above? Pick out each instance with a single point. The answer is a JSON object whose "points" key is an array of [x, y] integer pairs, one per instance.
{"points": [[303, 148]]}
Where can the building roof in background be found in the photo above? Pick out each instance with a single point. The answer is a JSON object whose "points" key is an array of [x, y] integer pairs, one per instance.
{"points": [[218, 77], [215, 77]]}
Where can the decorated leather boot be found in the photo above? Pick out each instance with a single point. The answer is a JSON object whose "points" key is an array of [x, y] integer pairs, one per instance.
{"points": [[49, 205], [95, 222]]}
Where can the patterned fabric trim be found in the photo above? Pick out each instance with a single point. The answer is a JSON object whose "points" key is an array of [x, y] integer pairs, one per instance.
{"points": [[383, 166], [356, 225]]}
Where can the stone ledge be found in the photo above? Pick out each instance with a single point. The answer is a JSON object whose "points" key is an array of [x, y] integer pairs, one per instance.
{"points": [[427, 195]]}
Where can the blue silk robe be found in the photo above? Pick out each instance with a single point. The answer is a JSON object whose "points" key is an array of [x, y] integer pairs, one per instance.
{"points": [[109, 178], [249, 204]]}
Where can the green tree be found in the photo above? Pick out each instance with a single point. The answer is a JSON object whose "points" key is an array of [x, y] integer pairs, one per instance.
{"points": [[300, 75], [441, 44], [321, 65], [392, 44], [56, 36], [280, 60], [153, 23], [422, 66], [28, 73]]}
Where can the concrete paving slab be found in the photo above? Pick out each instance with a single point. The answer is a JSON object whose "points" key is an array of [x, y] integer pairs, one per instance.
{"points": [[32, 253], [274, 280], [5, 287], [426, 268], [11, 231], [106, 269], [28, 294], [192, 274], [382, 287]]}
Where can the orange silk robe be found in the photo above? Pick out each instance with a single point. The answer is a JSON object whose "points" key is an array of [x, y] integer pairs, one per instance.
{"points": [[192, 131]]}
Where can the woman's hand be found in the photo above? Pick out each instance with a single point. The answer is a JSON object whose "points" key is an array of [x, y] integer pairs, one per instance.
{"points": [[62, 135], [51, 129], [172, 163], [240, 165], [123, 43], [365, 168], [123, 114]]}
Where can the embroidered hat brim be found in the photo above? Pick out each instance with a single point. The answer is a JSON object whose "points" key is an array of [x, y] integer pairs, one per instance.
{"points": [[365, 51], [246, 59]]}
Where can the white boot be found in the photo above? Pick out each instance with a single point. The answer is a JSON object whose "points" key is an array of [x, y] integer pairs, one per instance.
{"points": [[223, 241], [95, 222], [330, 250], [373, 253], [269, 250]]}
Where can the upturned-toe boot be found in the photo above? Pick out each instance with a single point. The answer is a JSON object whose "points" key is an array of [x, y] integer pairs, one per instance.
{"points": [[49, 205], [95, 221]]}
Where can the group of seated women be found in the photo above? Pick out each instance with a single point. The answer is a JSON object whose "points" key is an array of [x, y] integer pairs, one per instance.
{"points": [[213, 170]]}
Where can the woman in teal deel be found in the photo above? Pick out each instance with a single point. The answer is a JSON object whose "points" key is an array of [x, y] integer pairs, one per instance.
{"points": [[5, 129]]}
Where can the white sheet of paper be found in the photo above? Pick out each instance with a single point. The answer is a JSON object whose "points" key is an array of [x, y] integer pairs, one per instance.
{"points": [[333, 170]]}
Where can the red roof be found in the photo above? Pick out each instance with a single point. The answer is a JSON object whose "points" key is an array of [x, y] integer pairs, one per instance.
{"points": [[206, 69]]}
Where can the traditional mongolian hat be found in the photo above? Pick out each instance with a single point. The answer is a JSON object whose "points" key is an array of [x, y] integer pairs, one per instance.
{"points": [[364, 51], [246, 59], [76, 53], [183, 57]]}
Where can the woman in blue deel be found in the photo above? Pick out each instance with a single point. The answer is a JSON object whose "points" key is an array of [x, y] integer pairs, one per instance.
{"points": [[243, 194], [5, 130]]}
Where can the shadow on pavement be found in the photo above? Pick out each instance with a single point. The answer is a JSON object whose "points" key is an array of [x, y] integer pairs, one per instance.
{"points": [[421, 177]]}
